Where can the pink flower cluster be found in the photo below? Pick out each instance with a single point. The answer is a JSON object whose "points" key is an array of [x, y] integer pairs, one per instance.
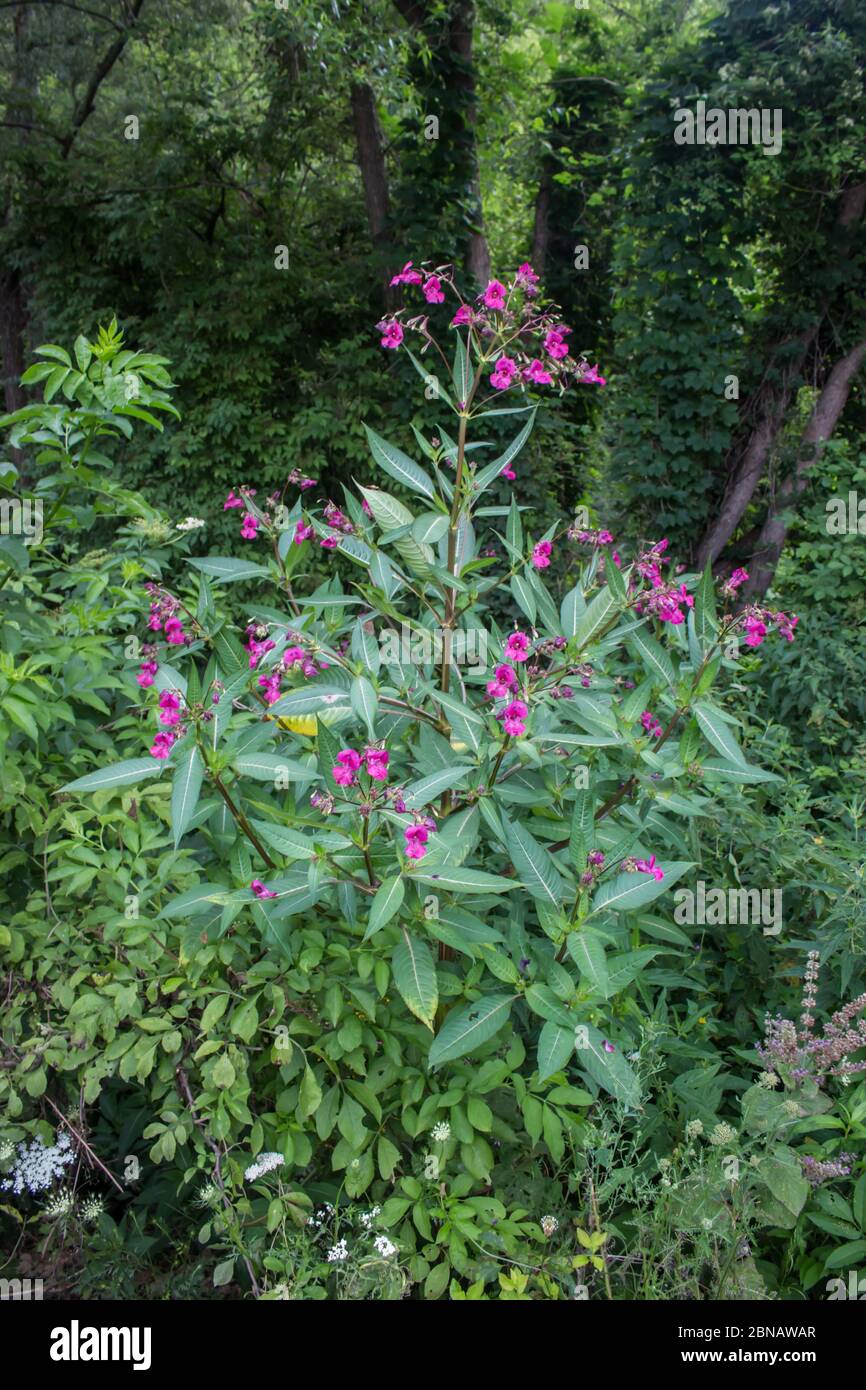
{"points": [[293, 659], [260, 890], [163, 616], [756, 622], [416, 837], [149, 668], [584, 537], [651, 724], [339, 524], [249, 522], [541, 554], [374, 762], [649, 866], [505, 314]]}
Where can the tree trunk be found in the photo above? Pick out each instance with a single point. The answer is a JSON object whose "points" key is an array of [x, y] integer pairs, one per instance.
{"points": [[822, 422], [374, 176], [541, 227], [460, 34], [773, 402]]}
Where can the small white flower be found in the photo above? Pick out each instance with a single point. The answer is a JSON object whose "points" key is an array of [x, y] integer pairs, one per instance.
{"points": [[59, 1204], [549, 1224], [92, 1208], [38, 1165], [265, 1163], [192, 523], [368, 1217], [384, 1247], [338, 1252], [441, 1132]]}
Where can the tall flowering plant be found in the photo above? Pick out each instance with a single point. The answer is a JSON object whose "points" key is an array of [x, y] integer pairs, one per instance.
{"points": [[441, 858]]}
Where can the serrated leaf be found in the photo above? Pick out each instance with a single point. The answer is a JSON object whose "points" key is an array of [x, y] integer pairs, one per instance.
{"points": [[121, 774], [534, 865], [470, 1027], [717, 732], [185, 790], [386, 903], [555, 1046], [414, 974], [399, 466]]}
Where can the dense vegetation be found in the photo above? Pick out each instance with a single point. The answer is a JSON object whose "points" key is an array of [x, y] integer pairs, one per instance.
{"points": [[431, 657]]}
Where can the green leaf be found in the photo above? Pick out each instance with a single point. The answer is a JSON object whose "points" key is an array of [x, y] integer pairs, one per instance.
{"points": [[571, 611], [712, 725], [266, 767], [415, 977], [121, 774], [227, 570], [524, 597], [399, 466], [654, 657], [706, 624], [493, 470], [609, 1070], [627, 892], [586, 949], [555, 1046], [388, 901], [426, 789], [309, 1094], [597, 613], [460, 880], [365, 703], [533, 864], [185, 791], [469, 1027]]}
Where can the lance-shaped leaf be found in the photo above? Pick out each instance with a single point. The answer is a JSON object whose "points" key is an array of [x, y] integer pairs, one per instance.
{"points": [[627, 892], [534, 864], [706, 624], [608, 1069], [267, 767], [365, 703], [593, 620], [467, 1028], [311, 699], [571, 611], [228, 570], [399, 466], [493, 470], [115, 775], [555, 1046], [459, 880], [387, 902], [653, 656], [185, 790], [586, 949], [712, 725], [426, 789], [415, 977]]}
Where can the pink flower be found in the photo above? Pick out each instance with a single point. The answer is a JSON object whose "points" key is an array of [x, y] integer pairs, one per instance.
{"points": [[514, 718], [508, 473], [536, 372], [517, 647], [648, 866], [232, 501], [249, 527], [302, 532], [377, 763], [348, 762], [608, 1046], [174, 633], [494, 295], [651, 724], [463, 315], [433, 291], [756, 631], [260, 890], [416, 839], [392, 333], [786, 625], [330, 542], [293, 656], [554, 342], [271, 687], [147, 673], [504, 373], [161, 746], [407, 276], [169, 707], [505, 679], [738, 577], [527, 279], [541, 554], [591, 377]]}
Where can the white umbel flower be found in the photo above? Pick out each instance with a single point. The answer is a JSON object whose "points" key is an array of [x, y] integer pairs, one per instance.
{"points": [[192, 523], [38, 1165], [385, 1247], [338, 1252], [265, 1163], [441, 1132]]}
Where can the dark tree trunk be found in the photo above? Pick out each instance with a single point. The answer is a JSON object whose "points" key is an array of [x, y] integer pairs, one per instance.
{"points": [[477, 253], [822, 422], [774, 399], [374, 176], [541, 227]]}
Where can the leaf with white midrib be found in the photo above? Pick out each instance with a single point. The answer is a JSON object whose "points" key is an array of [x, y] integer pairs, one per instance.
{"points": [[415, 977], [533, 864], [185, 791], [470, 1027]]}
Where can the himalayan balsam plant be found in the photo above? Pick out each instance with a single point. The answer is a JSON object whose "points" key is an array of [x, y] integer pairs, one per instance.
{"points": [[454, 870]]}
